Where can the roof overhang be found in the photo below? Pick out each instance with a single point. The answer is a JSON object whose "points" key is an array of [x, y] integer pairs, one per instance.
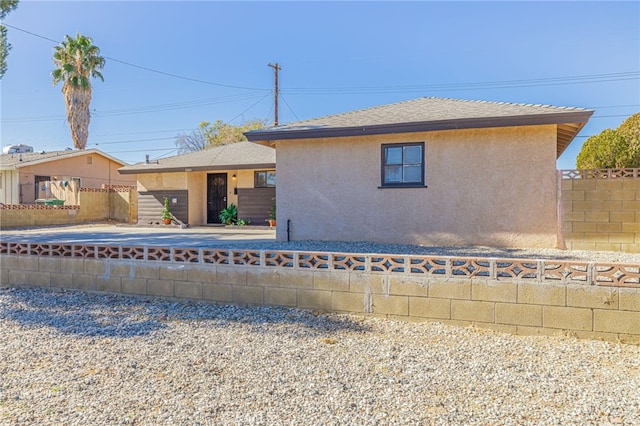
{"points": [[155, 168], [568, 125], [65, 156]]}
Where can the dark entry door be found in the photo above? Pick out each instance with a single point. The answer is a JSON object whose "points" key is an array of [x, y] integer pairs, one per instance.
{"points": [[216, 196], [39, 180]]}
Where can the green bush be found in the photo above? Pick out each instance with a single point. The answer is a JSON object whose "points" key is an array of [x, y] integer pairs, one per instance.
{"points": [[610, 149], [229, 216], [166, 211]]}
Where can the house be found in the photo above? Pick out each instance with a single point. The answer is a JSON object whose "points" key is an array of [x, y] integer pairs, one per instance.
{"points": [[23, 174], [201, 184], [428, 171]]}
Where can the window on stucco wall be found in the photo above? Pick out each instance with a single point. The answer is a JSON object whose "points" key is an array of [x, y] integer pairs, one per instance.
{"points": [[403, 165], [265, 179]]}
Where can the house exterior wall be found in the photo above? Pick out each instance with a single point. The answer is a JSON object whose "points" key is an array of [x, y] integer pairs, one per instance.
{"points": [[196, 185], [101, 170], [492, 186], [9, 188], [197, 189]]}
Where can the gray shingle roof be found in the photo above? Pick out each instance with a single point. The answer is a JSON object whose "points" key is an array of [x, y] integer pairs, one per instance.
{"points": [[10, 161], [240, 155], [428, 114]]}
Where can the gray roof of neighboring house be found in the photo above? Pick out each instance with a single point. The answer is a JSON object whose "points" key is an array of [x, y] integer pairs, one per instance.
{"points": [[240, 155], [14, 161], [429, 114]]}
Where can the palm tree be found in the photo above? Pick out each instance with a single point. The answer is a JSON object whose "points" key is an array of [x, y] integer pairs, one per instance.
{"points": [[76, 60]]}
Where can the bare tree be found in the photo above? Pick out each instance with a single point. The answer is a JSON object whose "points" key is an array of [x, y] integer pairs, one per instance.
{"points": [[191, 142], [219, 133]]}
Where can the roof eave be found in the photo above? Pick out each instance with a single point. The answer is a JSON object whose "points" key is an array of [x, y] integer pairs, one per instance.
{"points": [[72, 154], [424, 126], [142, 170]]}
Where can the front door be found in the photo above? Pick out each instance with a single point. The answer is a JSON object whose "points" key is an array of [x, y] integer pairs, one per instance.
{"points": [[40, 189], [216, 196]]}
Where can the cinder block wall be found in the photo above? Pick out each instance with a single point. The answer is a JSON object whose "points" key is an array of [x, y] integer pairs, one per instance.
{"points": [[94, 204], [21, 215], [601, 214], [596, 301]]}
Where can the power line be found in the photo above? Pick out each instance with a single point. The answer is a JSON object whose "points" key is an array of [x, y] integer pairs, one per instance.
{"points": [[609, 116], [182, 77], [143, 110], [143, 150], [256, 103], [614, 106], [143, 67], [143, 133], [347, 90], [131, 141], [502, 84], [290, 109], [176, 106]]}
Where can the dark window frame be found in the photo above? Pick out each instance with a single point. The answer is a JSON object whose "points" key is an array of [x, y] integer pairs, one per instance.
{"points": [[420, 184], [266, 185]]}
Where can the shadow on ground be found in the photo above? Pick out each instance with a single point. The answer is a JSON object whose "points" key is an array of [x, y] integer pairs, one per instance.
{"points": [[74, 312]]}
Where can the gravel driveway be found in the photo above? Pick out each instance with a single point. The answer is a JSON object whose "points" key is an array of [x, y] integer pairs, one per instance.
{"points": [[71, 358]]}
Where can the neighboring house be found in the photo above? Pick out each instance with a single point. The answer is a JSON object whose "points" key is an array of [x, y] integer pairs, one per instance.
{"points": [[426, 171], [23, 175], [201, 184]]}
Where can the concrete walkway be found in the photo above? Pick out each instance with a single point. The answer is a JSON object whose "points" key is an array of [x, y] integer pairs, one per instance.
{"points": [[201, 236]]}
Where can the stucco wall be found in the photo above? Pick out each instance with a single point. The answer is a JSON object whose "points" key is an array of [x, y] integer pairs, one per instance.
{"points": [[161, 181], [101, 171], [197, 187], [484, 187], [196, 183]]}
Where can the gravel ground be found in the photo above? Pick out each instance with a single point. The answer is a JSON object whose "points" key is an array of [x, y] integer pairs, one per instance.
{"points": [[71, 358]]}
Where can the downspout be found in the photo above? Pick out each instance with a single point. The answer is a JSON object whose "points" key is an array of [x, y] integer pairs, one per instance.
{"points": [[288, 230]]}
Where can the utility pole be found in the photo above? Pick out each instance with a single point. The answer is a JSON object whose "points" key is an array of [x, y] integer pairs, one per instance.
{"points": [[276, 68]]}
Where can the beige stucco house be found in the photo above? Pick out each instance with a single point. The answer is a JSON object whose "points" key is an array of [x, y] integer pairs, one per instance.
{"points": [[200, 184], [23, 175], [426, 171]]}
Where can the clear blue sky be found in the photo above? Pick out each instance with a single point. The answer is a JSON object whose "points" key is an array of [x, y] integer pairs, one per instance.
{"points": [[335, 57]]}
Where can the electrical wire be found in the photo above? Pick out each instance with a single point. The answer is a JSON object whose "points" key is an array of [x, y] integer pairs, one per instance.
{"points": [[168, 74], [256, 103], [502, 84], [132, 141], [142, 110], [142, 133], [289, 106], [176, 106]]}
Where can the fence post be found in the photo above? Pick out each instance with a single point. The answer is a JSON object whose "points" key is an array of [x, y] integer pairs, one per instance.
{"points": [[560, 213]]}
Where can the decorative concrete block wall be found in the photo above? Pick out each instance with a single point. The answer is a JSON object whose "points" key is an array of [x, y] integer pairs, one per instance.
{"points": [[586, 300], [600, 209]]}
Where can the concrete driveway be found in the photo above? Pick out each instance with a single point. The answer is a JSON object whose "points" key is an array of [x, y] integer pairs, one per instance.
{"points": [[201, 236]]}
